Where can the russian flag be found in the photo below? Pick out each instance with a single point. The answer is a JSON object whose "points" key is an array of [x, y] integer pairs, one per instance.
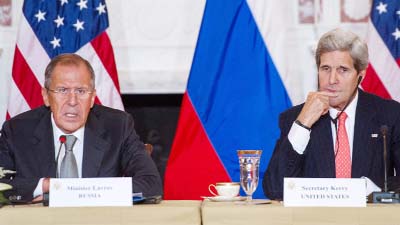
{"points": [[234, 96]]}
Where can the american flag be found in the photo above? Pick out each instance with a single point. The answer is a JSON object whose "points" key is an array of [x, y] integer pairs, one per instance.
{"points": [[383, 73], [50, 28]]}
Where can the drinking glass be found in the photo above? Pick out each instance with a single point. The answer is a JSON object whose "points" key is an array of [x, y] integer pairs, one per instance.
{"points": [[249, 161]]}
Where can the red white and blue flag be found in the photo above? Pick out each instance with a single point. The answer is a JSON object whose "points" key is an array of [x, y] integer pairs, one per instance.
{"points": [[234, 96], [50, 28], [383, 74]]}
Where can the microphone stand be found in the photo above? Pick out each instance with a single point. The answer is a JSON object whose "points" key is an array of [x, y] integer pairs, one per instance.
{"points": [[384, 196]]}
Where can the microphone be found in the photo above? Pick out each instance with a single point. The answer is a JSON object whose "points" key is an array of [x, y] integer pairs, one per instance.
{"points": [[385, 196], [62, 139], [347, 104], [46, 196]]}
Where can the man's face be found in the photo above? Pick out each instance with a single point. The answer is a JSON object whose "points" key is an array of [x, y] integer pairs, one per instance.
{"points": [[337, 74], [70, 110]]}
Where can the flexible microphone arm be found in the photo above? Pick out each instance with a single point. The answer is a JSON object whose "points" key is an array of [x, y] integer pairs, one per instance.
{"points": [[62, 139], [384, 130]]}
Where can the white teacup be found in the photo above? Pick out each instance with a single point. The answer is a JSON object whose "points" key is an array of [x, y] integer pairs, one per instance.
{"points": [[225, 189]]}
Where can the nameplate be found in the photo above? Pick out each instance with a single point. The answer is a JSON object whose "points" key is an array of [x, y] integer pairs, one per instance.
{"points": [[329, 192], [78, 192]]}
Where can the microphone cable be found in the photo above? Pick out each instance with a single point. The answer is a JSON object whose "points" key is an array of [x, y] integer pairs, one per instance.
{"points": [[334, 120]]}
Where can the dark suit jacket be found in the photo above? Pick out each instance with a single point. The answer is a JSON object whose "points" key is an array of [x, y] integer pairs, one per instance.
{"points": [[318, 160], [111, 149]]}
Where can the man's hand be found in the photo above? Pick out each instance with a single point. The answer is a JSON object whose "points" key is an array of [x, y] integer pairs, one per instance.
{"points": [[45, 189], [38, 199], [316, 105], [46, 185]]}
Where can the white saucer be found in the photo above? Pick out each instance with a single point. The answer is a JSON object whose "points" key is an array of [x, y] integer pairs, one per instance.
{"points": [[225, 199]]}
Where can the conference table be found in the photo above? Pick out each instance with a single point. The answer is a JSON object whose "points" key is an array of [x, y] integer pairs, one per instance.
{"points": [[275, 213], [201, 212], [167, 212]]}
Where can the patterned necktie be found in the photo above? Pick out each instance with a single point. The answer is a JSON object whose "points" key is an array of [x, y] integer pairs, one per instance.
{"points": [[69, 168], [342, 151]]}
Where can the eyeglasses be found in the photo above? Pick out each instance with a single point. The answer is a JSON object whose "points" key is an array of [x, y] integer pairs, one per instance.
{"points": [[64, 92]]}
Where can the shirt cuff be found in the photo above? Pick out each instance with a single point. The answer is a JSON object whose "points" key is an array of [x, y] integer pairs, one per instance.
{"points": [[39, 188], [299, 137]]}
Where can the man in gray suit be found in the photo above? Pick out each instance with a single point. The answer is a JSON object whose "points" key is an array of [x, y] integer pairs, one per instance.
{"points": [[337, 131], [106, 142]]}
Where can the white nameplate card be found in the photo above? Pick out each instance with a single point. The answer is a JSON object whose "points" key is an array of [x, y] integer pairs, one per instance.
{"points": [[77, 192], [329, 192]]}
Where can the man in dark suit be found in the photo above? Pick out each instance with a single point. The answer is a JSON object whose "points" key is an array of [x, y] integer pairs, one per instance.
{"points": [[106, 142], [337, 131]]}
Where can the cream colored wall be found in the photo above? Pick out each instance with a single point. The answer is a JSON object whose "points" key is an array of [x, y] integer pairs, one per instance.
{"points": [[154, 42], [7, 46]]}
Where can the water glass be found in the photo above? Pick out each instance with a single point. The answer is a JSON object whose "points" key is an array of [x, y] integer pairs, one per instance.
{"points": [[249, 161]]}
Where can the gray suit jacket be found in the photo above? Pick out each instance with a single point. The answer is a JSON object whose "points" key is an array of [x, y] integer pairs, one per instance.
{"points": [[318, 159], [111, 149]]}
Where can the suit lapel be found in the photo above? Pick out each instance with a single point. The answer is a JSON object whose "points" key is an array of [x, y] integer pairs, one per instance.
{"points": [[94, 146], [323, 146], [43, 145], [363, 144]]}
